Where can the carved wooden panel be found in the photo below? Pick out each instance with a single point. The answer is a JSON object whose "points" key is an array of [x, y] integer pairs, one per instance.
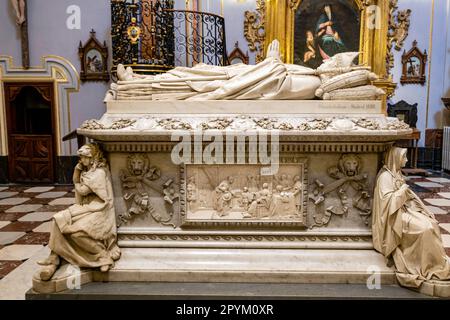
{"points": [[31, 158]]}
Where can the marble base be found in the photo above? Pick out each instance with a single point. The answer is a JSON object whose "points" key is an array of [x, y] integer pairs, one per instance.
{"points": [[233, 266], [436, 288]]}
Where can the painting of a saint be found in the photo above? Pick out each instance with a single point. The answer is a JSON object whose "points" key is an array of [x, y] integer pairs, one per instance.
{"points": [[324, 29]]}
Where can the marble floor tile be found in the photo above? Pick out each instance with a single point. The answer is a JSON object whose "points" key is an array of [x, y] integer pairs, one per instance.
{"points": [[437, 210], [38, 216], [9, 237], [34, 238], [24, 208], [39, 189], [445, 226], [439, 180], [4, 223], [45, 227], [62, 201], [19, 281], [8, 266], [22, 226], [4, 195], [429, 184], [439, 202], [444, 194], [13, 201], [10, 216], [50, 208], [18, 252], [51, 195], [445, 240]]}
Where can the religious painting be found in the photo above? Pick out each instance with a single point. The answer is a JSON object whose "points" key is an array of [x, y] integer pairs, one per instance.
{"points": [[324, 29], [414, 62], [246, 195], [94, 60]]}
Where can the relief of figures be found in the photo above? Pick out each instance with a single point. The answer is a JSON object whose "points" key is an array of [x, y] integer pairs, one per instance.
{"points": [[138, 182], [243, 193]]}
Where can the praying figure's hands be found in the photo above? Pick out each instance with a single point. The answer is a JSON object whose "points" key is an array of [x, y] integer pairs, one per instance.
{"points": [[274, 50]]}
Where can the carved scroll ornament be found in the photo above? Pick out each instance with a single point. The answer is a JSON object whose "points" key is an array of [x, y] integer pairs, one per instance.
{"points": [[254, 29]]}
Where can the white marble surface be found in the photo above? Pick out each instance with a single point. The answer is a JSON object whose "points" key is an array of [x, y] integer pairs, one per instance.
{"points": [[13, 201], [439, 202], [249, 265], [9, 237], [45, 227], [19, 251], [247, 106], [436, 210], [445, 226], [446, 240], [7, 194], [19, 281], [4, 223], [24, 208], [62, 201], [38, 189], [38, 216], [439, 180], [51, 195], [429, 184]]}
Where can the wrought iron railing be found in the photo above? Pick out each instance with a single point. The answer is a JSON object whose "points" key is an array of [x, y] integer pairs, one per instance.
{"points": [[152, 37]]}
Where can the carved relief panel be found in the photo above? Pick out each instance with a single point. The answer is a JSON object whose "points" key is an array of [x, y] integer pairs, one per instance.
{"points": [[149, 190], [246, 195]]}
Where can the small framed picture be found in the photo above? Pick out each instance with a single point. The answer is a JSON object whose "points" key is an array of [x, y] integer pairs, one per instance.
{"points": [[414, 62], [94, 60]]}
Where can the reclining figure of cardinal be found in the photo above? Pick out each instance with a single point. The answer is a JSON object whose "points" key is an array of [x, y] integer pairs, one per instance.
{"points": [[336, 79]]}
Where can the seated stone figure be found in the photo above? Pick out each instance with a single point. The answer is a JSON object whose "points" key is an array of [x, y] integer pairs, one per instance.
{"points": [[404, 230], [85, 234], [270, 79]]}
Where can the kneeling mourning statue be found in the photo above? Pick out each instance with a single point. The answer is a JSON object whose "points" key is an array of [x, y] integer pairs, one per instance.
{"points": [[85, 234], [406, 232]]}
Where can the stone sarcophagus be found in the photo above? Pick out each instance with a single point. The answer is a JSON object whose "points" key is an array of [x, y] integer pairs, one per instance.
{"points": [[244, 191]]}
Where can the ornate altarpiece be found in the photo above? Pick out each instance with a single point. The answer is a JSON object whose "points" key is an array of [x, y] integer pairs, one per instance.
{"points": [[275, 19]]}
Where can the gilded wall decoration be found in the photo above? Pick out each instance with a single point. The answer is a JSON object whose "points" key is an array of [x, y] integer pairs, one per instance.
{"points": [[275, 19], [399, 22], [254, 29]]}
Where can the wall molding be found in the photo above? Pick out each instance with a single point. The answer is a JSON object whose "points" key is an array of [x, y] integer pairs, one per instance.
{"points": [[54, 69]]}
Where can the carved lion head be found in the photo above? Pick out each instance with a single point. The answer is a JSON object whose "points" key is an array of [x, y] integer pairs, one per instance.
{"points": [[350, 164], [138, 164]]}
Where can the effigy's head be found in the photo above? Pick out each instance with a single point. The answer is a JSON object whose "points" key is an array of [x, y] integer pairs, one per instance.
{"points": [[91, 155]]}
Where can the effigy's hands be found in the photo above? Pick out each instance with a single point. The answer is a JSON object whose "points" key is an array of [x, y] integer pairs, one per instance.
{"points": [[274, 50]]}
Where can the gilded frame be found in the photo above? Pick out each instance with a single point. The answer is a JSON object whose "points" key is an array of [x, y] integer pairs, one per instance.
{"points": [[382, 28]]}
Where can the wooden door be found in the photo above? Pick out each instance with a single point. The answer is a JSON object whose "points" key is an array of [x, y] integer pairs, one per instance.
{"points": [[30, 119]]}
